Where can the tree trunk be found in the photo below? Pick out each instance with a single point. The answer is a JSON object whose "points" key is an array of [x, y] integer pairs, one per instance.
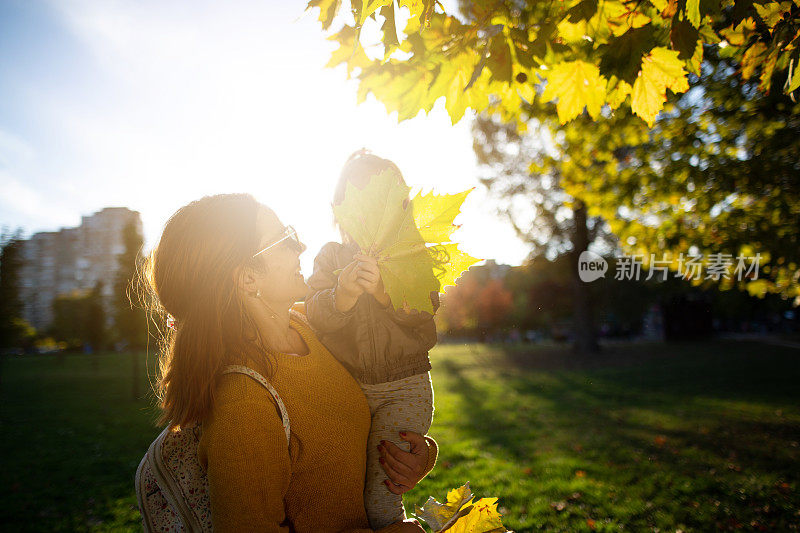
{"points": [[585, 340]]}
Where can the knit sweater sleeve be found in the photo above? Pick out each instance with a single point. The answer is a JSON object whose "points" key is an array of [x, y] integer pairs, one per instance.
{"points": [[248, 467]]}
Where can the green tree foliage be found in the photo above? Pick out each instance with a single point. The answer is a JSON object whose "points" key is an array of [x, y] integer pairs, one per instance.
{"points": [[494, 305], [542, 213], [709, 169], [542, 297], [130, 319], [542, 293], [96, 324], [478, 304], [718, 174], [14, 330], [458, 315], [79, 319], [580, 54]]}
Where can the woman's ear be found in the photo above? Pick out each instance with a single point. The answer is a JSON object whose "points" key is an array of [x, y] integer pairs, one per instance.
{"points": [[245, 281]]}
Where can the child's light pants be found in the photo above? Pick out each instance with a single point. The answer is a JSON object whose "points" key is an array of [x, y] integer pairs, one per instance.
{"points": [[402, 405]]}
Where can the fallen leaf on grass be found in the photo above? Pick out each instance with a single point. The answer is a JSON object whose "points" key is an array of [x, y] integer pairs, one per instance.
{"points": [[558, 506]]}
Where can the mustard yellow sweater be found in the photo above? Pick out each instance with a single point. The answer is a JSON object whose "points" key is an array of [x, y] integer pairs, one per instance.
{"points": [[316, 484]]}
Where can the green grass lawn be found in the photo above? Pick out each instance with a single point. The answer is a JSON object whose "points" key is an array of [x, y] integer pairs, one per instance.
{"points": [[646, 437]]}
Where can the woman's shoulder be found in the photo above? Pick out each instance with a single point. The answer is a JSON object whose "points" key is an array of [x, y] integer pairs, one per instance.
{"points": [[239, 388], [243, 412]]}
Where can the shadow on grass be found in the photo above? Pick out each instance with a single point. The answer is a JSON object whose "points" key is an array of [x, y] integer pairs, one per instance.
{"points": [[699, 436]]}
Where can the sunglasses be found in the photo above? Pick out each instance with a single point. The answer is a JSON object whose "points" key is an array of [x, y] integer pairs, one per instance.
{"points": [[289, 233]]}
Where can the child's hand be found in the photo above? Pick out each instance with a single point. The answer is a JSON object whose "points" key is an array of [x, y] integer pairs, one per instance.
{"points": [[369, 278], [349, 280], [347, 288]]}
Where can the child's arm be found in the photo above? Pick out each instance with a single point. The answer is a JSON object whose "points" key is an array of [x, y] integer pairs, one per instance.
{"points": [[418, 322], [421, 323], [331, 298], [413, 317]]}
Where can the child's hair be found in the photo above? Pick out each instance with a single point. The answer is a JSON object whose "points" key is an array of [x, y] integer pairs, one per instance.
{"points": [[361, 165]]}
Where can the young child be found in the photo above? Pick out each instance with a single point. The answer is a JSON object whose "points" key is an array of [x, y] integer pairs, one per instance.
{"points": [[386, 350]]}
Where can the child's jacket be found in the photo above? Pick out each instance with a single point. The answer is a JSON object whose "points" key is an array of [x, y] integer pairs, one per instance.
{"points": [[375, 344]]}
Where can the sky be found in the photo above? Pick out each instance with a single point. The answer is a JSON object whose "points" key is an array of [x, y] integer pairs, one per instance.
{"points": [[153, 104]]}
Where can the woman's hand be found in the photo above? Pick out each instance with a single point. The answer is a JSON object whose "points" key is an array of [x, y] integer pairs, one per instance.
{"points": [[369, 277], [404, 468]]}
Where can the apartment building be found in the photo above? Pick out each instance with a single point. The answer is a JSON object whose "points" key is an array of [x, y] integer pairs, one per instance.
{"points": [[73, 259]]}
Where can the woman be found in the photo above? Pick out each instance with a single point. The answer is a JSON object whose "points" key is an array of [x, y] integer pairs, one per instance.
{"points": [[228, 271]]}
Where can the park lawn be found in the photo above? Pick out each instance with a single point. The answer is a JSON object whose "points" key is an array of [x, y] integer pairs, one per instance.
{"points": [[644, 437]]}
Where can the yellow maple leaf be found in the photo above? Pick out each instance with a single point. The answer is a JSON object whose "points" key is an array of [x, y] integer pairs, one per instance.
{"points": [[772, 12], [752, 58], [693, 12], [663, 65], [738, 35], [794, 82], [369, 7], [348, 52], [576, 84], [482, 518], [696, 59], [661, 70], [618, 93], [382, 221], [457, 263], [417, 9], [460, 515], [647, 99], [440, 516], [620, 17], [571, 32], [327, 10], [456, 101], [434, 214]]}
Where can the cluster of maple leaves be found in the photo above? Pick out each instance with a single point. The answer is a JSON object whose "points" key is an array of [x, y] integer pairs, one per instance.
{"points": [[582, 54]]}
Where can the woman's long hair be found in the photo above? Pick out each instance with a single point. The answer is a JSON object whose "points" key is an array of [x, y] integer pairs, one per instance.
{"points": [[191, 276]]}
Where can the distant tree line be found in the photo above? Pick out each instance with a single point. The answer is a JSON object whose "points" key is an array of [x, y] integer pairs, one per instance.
{"points": [[14, 330], [82, 320], [536, 300]]}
